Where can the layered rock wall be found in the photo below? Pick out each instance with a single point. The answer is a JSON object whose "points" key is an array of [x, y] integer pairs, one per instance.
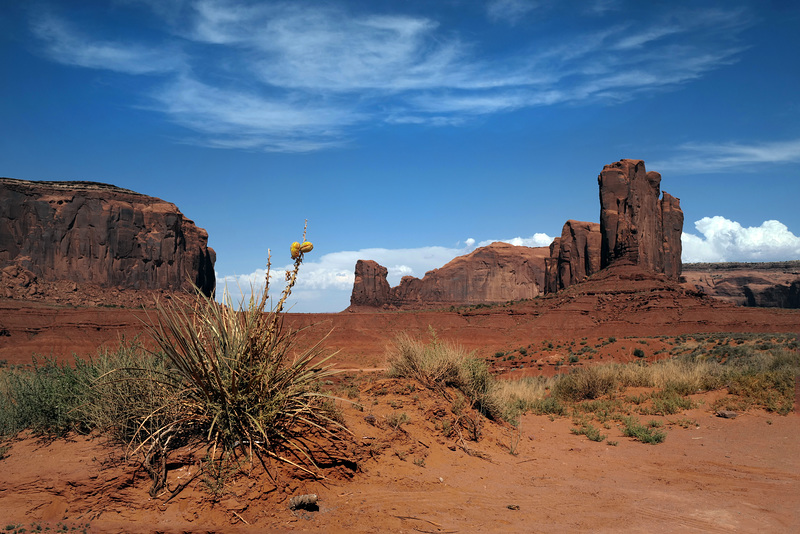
{"points": [[497, 273], [636, 226], [767, 285], [99, 234]]}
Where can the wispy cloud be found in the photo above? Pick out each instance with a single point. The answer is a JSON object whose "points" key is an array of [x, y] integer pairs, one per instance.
{"points": [[724, 240], [66, 45], [286, 77], [720, 157], [509, 11]]}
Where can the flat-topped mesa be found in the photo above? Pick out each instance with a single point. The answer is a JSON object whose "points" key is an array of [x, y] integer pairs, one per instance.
{"points": [[496, 273], [100, 234], [636, 226], [574, 256]]}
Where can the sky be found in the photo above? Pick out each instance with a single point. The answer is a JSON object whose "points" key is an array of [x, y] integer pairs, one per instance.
{"points": [[409, 132]]}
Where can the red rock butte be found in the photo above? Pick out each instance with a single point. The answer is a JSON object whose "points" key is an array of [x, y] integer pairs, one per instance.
{"points": [[96, 234], [637, 227]]}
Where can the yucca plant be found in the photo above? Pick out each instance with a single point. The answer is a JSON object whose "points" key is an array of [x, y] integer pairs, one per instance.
{"points": [[237, 377]]}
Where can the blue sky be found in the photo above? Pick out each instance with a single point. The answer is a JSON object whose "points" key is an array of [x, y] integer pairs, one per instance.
{"points": [[410, 132]]}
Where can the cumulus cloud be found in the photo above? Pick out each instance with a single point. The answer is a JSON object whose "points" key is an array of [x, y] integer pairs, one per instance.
{"points": [[279, 76], [724, 240], [536, 240], [326, 282]]}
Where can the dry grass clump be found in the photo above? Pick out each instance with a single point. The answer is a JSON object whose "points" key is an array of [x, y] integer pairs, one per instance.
{"points": [[435, 364], [439, 365]]}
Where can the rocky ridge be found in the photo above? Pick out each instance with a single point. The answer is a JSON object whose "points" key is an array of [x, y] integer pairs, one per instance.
{"points": [[768, 285], [495, 273], [61, 238], [637, 227]]}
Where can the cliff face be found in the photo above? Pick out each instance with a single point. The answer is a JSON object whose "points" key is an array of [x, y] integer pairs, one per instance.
{"points": [[636, 227], [370, 287], [86, 232], [497, 273], [574, 256], [768, 285]]}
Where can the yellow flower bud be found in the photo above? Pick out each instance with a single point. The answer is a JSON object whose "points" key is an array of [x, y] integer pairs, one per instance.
{"points": [[295, 249], [306, 247]]}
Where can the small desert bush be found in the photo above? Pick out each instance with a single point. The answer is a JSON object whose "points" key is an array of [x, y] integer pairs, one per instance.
{"points": [[439, 365], [115, 392], [41, 398], [435, 364], [590, 431], [645, 433], [585, 383]]}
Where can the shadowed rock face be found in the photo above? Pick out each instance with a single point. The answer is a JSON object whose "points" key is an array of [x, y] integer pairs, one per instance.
{"points": [[574, 256], [370, 287], [636, 227], [101, 234], [767, 285], [497, 273]]}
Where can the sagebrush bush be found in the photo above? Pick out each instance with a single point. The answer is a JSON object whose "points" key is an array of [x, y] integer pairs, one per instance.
{"points": [[118, 392], [42, 398]]}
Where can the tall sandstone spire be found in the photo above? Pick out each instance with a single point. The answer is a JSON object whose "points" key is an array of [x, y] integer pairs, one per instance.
{"points": [[636, 226]]}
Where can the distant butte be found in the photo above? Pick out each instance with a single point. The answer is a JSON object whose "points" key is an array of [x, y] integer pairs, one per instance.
{"points": [[636, 228]]}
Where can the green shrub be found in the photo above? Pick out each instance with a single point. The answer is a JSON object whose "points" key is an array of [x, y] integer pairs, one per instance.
{"points": [[646, 434], [590, 431], [42, 398]]}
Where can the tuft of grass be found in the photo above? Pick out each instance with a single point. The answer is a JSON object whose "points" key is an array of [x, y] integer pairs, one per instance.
{"points": [[590, 431], [438, 365], [585, 384], [632, 428], [397, 420]]}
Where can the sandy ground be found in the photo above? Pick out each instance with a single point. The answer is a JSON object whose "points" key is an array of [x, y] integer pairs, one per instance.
{"points": [[717, 475], [710, 475]]}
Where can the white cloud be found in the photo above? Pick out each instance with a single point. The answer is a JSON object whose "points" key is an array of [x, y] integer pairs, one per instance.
{"points": [[66, 45], [325, 283], [280, 76], [231, 118], [509, 11], [725, 240], [536, 240], [699, 158]]}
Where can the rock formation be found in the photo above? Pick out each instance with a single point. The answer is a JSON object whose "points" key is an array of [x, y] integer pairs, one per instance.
{"points": [[371, 287], [99, 234], [574, 256], [497, 273], [767, 285], [636, 227]]}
